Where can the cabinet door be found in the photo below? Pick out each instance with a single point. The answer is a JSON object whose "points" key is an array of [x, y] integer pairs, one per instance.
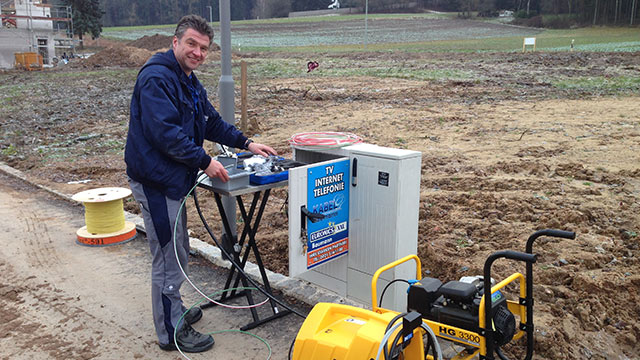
{"points": [[374, 202], [316, 249]]}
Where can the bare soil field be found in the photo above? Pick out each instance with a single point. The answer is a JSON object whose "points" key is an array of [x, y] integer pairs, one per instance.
{"points": [[506, 152]]}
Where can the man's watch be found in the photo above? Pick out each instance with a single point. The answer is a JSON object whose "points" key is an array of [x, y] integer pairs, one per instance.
{"points": [[247, 143]]}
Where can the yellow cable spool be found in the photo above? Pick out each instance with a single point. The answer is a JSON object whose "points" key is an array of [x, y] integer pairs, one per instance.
{"points": [[104, 217]]}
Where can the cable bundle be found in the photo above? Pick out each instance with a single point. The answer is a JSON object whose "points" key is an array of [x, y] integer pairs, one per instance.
{"points": [[104, 217], [326, 139]]}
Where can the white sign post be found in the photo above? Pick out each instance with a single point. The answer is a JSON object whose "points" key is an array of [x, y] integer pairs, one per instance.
{"points": [[529, 42]]}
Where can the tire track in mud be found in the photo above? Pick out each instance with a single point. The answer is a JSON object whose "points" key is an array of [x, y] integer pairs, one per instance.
{"points": [[45, 309], [29, 307], [38, 240], [38, 302]]}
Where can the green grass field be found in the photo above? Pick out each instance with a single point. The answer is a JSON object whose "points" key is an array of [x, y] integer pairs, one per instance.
{"points": [[315, 37], [306, 19], [400, 32]]}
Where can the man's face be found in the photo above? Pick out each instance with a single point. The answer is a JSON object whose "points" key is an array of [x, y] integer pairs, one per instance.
{"points": [[190, 50]]}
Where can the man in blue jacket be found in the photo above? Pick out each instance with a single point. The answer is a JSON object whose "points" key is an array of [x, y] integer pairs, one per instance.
{"points": [[170, 118]]}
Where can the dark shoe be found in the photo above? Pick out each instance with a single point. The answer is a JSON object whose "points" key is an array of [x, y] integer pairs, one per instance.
{"points": [[193, 315], [190, 341], [168, 347]]}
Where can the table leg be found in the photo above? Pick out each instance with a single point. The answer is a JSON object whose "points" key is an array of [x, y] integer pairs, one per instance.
{"points": [[245, 283], [252, 229], [249, 231]]}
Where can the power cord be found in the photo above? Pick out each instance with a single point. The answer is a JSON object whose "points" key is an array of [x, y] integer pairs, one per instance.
{"points": [[291, 348], [385, 339], [437, 353], [389, 325], [501, 354], [175, 249], [387, 286], [382, 348], [231, 259], [204, 296], [175, 330]]}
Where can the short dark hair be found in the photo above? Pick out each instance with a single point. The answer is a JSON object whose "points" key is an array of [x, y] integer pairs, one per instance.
{"points": [[195, 22]]}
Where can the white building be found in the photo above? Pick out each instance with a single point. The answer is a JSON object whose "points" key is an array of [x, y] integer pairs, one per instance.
{"points": [[34, 26]]}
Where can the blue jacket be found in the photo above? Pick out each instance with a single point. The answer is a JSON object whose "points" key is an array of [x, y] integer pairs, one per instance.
{"points": [[164, 143]]}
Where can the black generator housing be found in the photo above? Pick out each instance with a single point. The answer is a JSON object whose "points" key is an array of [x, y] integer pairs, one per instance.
{"points": [[457, 304]]}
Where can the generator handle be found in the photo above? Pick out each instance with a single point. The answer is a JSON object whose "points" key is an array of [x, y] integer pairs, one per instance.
{"points": [[488, 303], [376, 275], [548, 232], [529, 280]]}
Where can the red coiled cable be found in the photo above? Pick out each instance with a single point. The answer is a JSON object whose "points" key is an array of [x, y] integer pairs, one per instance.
{"points": [[324, 139]]}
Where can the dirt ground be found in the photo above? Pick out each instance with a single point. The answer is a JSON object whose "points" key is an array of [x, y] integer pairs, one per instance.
{"points": [[59, 300], [502, 156]]}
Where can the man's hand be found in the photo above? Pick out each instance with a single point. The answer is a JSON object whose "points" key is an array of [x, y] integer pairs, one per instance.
{"points": [[216, 169], [261, 149]]}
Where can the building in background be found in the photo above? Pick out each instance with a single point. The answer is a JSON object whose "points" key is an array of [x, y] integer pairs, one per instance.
{"points": [[34, 26]]}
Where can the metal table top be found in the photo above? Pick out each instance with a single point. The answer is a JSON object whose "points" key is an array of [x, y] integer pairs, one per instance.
{"points": [[206, 183]]}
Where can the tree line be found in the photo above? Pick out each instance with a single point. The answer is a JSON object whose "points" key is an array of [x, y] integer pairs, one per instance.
{"points": [[145, 12], [594, 12]]}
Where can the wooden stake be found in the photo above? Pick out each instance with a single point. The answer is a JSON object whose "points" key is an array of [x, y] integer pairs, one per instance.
{"points": [[243, 96]]}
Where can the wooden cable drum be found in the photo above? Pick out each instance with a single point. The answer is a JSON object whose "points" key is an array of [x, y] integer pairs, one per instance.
{"points": [[104, 217]]}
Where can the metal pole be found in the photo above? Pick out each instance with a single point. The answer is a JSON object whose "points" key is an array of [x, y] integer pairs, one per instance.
{"points": [[210, 13], [70, 30], [226, 93], [33, 47], [366, 15]]}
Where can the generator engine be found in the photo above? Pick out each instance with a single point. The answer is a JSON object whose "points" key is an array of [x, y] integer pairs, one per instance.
{"points": [[457, 304]]}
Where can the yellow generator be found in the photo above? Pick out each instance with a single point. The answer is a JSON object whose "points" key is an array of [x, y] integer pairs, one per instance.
{"points": [[335, 331], [455, 311]]}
